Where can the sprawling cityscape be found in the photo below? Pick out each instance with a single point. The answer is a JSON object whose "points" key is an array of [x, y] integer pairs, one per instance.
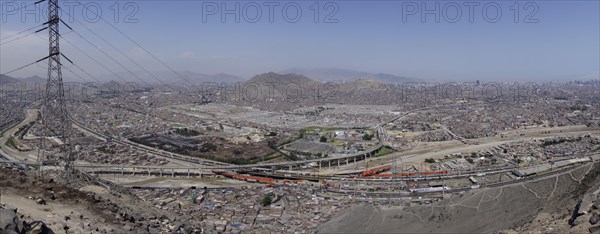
{"points": [[297, 151]]}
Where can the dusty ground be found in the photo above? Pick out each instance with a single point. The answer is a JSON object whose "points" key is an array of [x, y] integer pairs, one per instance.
{"points": [[173, 182], [82, 209], [545, 206]]}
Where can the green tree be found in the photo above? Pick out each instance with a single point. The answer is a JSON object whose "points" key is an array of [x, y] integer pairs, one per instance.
{"points": [[210, 147], [272, 144], [323, 139], [267, 200], [294, 156]]}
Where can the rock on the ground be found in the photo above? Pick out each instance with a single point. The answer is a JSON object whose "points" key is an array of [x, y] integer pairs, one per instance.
{"points": [[594, 218], [9, 222], [596, 204], [586, 203], [580, 220], [595, 230], [39, 227], [40, 201], [153, 230]]}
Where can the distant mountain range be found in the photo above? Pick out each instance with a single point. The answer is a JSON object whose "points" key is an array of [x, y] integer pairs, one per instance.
{"points": [[183, 78], [34, 79], [4, 79], [279, 83], [335, 74], [187, 77], [293, 85], [171, 78]]}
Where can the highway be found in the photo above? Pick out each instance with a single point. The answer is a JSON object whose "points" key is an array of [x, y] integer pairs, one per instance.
{"points": [[195, 167], [458, 190], [7, 157], [214, 165], [11, 153], [197, 172], [196, 163], [204, 164], [161, 153]]}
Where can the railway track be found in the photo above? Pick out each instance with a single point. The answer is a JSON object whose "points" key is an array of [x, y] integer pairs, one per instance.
{"points": [[458, 190]]}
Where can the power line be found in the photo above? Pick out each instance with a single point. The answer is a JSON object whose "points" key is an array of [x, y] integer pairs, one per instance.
{"points": [[32, 28], [81, 36], [84, 71], [80, 77], [112, 46], [93, 59], [18, 38], [88, 74], [75, 65], [110, 57], [137, 44], [83, 52], [14, 70]]}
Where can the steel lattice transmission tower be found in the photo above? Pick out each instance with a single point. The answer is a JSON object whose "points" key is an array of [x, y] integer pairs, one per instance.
{"points": [[55, 120]]}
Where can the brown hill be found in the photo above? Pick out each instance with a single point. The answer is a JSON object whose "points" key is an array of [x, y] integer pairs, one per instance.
{"points": [[360, 84], [277, 86], [280, 78]]}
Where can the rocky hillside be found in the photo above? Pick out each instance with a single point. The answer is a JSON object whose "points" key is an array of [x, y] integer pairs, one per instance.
{"points": [[278, 86], [4, 79], [564, 203], [29, 204], [341, 75]]}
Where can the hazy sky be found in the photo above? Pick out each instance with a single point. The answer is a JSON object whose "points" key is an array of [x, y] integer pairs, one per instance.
{"points": [[550, 40]]}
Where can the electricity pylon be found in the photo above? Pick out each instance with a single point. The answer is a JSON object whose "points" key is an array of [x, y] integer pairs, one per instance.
{"points": [[56, 148]]}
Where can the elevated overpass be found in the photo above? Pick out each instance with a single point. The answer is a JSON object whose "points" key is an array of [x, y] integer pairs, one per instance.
{"points": [[291, 165], [158, 152]]}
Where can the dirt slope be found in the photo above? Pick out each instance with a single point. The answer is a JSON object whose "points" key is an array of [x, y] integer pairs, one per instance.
{"points": [[544, 205]]}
